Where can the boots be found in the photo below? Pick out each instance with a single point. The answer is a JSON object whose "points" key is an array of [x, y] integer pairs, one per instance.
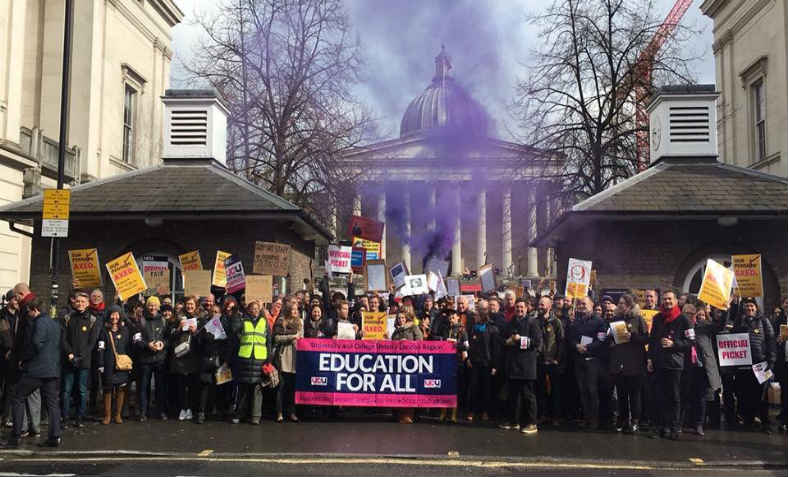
{"points": [[107, 407], [453, 418], [121, 397]]}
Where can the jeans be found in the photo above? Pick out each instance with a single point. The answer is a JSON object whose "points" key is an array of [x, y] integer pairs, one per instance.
{"points": [[70, 375], [187, 389], [629, 402], [669, 389], [155, 371], [49, 390], [549, 402], [250, 395], [587, 371], [522, 402]]}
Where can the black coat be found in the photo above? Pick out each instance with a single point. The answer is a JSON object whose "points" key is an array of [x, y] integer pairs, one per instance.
{"points": [[212, 352], [521, 363], [593, 327], [705, 336], [79, 337], [676, 331], [629, 359], [484, 345], [122, 340], [321, 329], [763, 343], [190, 362], [152, 329], [40, 353], [781, 365]]}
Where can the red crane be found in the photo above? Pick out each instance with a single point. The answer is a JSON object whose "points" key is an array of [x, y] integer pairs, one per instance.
{"points": [[643, 69]]}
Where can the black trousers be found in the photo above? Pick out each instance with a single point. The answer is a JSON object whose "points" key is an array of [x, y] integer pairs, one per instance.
{"points": [[587, 372], [522, 402], [730, 396], [480, 389], [285, 394], [669, 394], [570, 393], [548, 390], [751, 398], [50, 388], [187, 388], [629, 390]]}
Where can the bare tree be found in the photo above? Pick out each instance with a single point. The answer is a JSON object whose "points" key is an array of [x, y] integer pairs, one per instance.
{"points": [[578, 102], [286, 68]]}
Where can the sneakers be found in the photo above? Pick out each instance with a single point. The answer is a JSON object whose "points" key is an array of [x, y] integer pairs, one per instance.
{"points": [[509, 427], [530, 429], [699, 431], [182, 415], [51, 443], [235, 420], [189, 415]]}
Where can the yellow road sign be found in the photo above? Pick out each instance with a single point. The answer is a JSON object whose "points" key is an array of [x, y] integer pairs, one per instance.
{"points": [[56, 204]]}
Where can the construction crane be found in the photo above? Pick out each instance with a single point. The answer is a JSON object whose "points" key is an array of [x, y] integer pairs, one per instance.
{"points": [[643, 70]]}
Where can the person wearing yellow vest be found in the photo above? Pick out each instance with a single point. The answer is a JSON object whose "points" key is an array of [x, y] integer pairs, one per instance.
{"points": [[253, 336]]}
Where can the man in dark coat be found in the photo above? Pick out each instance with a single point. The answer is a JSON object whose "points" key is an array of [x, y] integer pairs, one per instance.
{"points": [[523, 341], [79, 337], [39, 361]]}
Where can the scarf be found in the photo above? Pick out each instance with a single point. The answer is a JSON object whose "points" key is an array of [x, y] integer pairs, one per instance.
{"points": [[480, 327], [670, 314], [97, 308]]}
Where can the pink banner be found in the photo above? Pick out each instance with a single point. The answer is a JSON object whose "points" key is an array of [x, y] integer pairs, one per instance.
{"points": [[377, 400]]}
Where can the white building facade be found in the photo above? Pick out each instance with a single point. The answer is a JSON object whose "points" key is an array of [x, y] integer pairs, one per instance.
{"points": [[120, 68]]}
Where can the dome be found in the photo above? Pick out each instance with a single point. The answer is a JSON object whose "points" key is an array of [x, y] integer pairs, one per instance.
{"points": [[444, 105]]}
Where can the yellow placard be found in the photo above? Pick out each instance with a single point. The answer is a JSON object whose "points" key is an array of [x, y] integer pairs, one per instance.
{"points": [[219, 275], [197, 282], [716, 287], [648, 317], [784, 335], [190, 260], [126, 276], [749, 278], [56, 204], [85, 268], [374, 325], [576, 290]]}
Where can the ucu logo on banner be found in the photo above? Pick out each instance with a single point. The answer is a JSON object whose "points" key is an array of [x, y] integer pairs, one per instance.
{"points": [[319, 381], [432, 383]]}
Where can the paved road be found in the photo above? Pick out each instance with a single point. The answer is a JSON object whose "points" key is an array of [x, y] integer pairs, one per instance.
{"points": [[364, 446]]}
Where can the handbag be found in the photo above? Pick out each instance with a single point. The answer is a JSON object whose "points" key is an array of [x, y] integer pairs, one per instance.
{"points": [[183, 348], [122, 361]]}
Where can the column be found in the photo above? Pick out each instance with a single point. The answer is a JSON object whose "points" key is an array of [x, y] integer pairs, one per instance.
{"points": [[432, 202], [357, 204], [533, 255], [382, 218], [481, 242], [456, 246], [507, 230], [549, 255], [332, 219], [406, 229]]}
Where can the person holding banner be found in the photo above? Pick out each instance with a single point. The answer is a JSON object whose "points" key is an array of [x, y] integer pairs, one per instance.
{"points": [[315, 326], [452, 330], [287, 330], [667, 344], [523, 341], [628, 363], [763, 347], [406, 329], [254, 351]]}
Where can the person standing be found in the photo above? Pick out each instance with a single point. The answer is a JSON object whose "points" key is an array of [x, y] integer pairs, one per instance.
{"points": [[523, 342], [704, 375], [763, 347], [551, 361], [484, 349], [151, 344], [586, 337], [39, 361], [628, 364], [667, 344], [79, 338], [254, 351], [287, 330], [185, 359], [114, 341]]}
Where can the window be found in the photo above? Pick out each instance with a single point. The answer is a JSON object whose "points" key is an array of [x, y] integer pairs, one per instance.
{"points": [[129, 106], [758, 99]]}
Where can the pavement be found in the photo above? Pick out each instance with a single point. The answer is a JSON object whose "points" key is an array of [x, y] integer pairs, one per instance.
{"points": [[374, 446]]}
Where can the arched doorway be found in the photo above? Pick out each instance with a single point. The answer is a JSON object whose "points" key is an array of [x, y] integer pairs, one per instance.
{"points": [[694, 277]]}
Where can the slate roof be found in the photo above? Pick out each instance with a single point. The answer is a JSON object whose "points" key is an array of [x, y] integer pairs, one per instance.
{"points": [[176, 187], [682, 187]]}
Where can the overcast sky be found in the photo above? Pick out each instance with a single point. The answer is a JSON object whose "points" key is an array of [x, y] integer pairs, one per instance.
{"points": [[488, 40]]}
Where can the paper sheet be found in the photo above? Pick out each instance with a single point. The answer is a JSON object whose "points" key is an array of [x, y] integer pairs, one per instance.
{"points": [[345, 331]]}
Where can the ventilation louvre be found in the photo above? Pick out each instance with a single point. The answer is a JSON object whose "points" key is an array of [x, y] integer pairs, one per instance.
{"points": [[189, 127], [690, 124]]}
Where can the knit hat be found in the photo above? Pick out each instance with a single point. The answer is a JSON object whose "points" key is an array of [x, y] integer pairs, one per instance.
{"points": [[153, 299], [749, 299]]}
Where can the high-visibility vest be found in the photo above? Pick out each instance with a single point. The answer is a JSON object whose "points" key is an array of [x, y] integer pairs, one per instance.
{"points": [[254, 340]]}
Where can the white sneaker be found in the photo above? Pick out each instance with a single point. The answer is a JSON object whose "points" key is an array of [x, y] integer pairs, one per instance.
{"points": [[182, 415], [188, 414]]}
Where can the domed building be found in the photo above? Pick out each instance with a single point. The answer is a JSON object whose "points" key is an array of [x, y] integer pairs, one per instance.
{"points": [[451, 194]]}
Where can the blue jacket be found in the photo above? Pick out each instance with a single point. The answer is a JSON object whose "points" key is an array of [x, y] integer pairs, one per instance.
{"points": [[41, 350]]}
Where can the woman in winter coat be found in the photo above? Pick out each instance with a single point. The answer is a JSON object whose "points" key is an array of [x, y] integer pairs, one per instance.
{"points": [[185, 359], [213, 351], [484, 353], [452, 330], [115, 339], [628, 364], [316, 326], [406, 329], [287, 330], [253, 352], [700, 366]]}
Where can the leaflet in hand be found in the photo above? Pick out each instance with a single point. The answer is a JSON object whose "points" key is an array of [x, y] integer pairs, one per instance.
{"points": [[345, 331], [619, 332], [214, 327], [586, 340], [762, 373]]}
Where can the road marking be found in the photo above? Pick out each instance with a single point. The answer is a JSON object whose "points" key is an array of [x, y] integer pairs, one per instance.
{"points": [[484, 464], [205, 453], [696, 460]]}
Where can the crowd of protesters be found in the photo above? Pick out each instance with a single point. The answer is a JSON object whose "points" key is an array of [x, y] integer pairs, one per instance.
{"points": [[521, 362]]}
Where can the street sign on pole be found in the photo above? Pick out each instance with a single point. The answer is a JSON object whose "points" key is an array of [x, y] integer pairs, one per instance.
{"points": [[55, 213]]}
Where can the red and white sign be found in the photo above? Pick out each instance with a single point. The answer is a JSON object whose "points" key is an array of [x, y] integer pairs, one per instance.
{"points": [[339, 259], [578, 278], [734, 349]]}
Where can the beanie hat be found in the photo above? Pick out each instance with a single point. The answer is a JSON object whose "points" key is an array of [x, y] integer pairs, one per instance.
{"points": [[153, 299]]}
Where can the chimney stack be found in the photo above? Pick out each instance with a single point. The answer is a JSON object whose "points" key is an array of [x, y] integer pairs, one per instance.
{"points": [[683, 122], [195, 125]]}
